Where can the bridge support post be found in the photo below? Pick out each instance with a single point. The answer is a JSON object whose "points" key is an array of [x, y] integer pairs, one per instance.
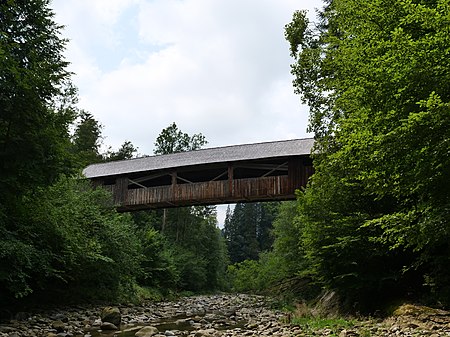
{"points": [[120, 191], [295, 173], [230, 181]]}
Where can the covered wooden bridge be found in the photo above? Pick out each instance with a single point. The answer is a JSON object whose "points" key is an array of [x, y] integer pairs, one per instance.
{"points": [[252, 172]]}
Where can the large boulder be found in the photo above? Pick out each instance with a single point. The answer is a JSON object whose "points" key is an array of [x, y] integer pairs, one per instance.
{"points": [[111, 315]]}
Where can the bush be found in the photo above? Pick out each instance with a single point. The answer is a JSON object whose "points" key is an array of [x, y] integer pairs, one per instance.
{"points": [[158, 265], [68, 241], [257, 276]]}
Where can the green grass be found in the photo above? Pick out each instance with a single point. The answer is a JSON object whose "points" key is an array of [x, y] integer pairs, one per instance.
{"points": [[148, 294], [311, 324]]}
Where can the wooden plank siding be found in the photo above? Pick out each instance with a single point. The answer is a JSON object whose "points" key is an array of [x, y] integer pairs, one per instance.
{"points": [[128, 197], [211, 192], [238, 173]]}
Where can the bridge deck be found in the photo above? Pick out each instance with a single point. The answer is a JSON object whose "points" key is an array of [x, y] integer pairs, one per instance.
{"points": [[252, 172]]}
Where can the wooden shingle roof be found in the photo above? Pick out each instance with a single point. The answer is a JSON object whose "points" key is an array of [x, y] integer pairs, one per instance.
{"points": [[276, 149]]}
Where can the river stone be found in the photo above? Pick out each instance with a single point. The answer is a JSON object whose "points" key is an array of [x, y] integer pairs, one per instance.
{"points": [[147, 331], [60, 317], [111, 315], [108, 326], [132, 329], [7, 329], [59, 326], [205, 333]]}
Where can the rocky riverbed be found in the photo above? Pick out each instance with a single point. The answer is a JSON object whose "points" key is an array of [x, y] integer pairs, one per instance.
{"points": [[215, 316]]}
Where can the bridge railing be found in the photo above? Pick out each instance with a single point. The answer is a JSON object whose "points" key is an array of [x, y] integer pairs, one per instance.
{"points": [[224, 191]]}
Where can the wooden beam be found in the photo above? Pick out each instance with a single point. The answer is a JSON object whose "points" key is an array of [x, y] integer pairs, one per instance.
{"points": [[185, 180], [263, 166], [150, 177], [230, 181], [275, 169], [131, 182], [174, 178], [120, 191], [295, 173], [219, 176]]}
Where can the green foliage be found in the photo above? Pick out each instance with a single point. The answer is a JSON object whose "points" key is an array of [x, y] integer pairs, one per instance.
{"points": [[59, 239], [242, 276], [193, 270], [126, 151], [87, 139], [87, 142], [247, 230], [199, 250], [68, 237], [310, 325], [375, 217], [172, 140], [36, 97], [287, 232], [257, 275], [190, 255], [144, 293], [158, 266]]}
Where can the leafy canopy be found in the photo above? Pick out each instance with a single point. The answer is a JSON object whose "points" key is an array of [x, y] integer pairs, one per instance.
{"points": [[172, 140], [36, 98], [375, 77]]}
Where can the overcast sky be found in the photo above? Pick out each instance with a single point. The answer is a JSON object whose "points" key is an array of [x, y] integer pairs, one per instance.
{"points": [[216, 67]]}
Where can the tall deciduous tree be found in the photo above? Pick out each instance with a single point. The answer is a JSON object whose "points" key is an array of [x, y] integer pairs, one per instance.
{"points": [[375, 77], [126, 151], [172, 140], [200, 254]]}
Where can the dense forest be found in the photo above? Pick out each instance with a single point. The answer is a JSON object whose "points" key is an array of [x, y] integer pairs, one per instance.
{"points": [[373, 224], [60, 240]]}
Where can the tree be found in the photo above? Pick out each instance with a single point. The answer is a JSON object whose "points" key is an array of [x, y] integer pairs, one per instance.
{"points": [[87, 142], [126, 151], [87, 139], [247, 230], [36, 96], [69, 243], [372, 74], [240, 233], [172, 140], [58, 237], [287, 233], [199, 254]]}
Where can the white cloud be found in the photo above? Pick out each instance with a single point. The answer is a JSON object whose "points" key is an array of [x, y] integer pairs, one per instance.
{"points": [[217, 67]]}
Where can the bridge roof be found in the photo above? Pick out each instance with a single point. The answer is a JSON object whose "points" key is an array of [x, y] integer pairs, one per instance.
{"points": [[276, 149]]}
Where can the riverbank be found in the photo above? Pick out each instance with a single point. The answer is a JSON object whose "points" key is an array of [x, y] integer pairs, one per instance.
{"points": [[219, 316]]}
